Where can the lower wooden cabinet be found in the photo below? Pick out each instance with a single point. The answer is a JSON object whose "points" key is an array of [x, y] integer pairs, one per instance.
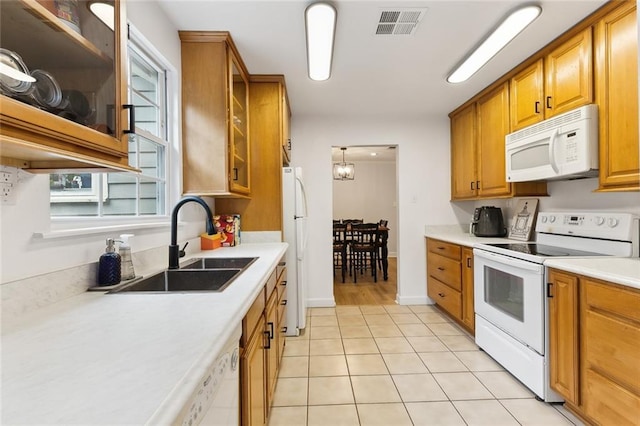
{"points": [[468, 312], [252, 374], [563, 334], [262, 344], [594, 350], [450, 280]]}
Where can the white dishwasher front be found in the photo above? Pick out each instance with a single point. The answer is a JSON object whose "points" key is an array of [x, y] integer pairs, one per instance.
{"points": [[217, 399]]}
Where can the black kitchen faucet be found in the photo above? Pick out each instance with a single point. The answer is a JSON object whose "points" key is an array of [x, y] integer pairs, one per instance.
{"points": [[174, 250]]}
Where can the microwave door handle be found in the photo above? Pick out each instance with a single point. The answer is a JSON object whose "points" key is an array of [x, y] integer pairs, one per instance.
{"points": [[552, 150]]}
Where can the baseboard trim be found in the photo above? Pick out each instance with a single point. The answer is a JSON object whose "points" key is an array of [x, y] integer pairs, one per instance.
{"points": [[321, 303], [412, 300]]}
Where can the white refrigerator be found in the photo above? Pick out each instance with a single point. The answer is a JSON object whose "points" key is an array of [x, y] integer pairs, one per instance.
{"points": [[294, 222]]}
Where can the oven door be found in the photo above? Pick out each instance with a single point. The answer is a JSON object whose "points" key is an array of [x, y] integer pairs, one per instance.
{"points": [[509, 293]]}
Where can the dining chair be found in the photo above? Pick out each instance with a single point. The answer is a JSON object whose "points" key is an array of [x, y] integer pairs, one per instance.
{"points": [[339, 249], [364, 249], [381, 222]]}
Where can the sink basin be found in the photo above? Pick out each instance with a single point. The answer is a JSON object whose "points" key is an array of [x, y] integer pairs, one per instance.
{"points": [[219, 263], [184, 280]]}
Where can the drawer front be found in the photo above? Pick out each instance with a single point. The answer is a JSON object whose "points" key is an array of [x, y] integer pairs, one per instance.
{"points": [[445, 296], [250, 321], [607, 403], [452, 251], [612, 348], [282, 287], [271, 283], [445, 270], [624, 302]]}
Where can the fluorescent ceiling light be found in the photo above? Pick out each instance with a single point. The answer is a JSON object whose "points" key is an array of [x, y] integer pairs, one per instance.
{"points": [[320, 19], [104, 12], [507, 31]]}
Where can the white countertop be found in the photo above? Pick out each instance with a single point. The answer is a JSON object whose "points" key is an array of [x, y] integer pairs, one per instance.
{"points": [[619, 270], [114, 359], [455, 234]]}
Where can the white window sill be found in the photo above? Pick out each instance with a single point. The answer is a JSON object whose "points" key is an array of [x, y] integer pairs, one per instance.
{"points": [[63, 233]]}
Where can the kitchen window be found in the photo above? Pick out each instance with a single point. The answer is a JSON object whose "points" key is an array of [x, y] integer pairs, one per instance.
{"points": [[127, 195]]}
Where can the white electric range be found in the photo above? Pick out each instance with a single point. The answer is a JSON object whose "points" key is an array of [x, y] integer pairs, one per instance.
{"points": [[510, 286]]}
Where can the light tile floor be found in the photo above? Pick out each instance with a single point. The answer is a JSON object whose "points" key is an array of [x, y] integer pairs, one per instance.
{"points": [[398, 365]]}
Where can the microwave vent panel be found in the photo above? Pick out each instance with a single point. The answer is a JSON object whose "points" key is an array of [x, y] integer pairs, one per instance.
{"points": [[588, 111], [399, 21]]}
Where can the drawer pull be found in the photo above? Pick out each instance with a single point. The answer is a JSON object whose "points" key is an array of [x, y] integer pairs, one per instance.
{"points": [[441, 248], [284, 302], [283, 283], [440, 268], [441, 294]]}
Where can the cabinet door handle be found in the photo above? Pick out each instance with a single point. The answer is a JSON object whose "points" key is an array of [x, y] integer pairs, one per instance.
{"points": [[270, 330], [284, 283], [132, 119], [549, 102], [289, 143], [537, 107], [477, 184], [283, 329], [468, 262], [472, 185], [284, 302], [549, 286], [268, 345], [235, 173], [441, 294]]}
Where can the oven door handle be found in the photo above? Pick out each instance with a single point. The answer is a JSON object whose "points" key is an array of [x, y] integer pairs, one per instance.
{"points": [[507, 261]]}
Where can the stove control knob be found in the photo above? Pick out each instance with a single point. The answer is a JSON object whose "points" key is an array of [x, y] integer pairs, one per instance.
{"points": [[612, 222], [543, 219], [552, 219], [599, 220]]}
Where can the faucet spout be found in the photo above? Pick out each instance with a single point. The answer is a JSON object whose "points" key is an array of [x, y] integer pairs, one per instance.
{"points": [[174, 249]]}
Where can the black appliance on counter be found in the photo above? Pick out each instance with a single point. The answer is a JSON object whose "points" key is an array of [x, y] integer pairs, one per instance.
{"points": [[488, 222]]}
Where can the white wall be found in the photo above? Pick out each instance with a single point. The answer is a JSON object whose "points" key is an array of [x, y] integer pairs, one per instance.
{"points": [[24, 256], [370, 196], [423, 191]]}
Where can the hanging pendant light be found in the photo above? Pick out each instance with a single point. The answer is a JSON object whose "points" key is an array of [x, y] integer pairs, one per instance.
{"points": [[343, 170]]}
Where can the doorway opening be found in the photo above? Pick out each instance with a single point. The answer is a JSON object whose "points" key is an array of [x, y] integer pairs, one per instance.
{"points": [[371, 196]]}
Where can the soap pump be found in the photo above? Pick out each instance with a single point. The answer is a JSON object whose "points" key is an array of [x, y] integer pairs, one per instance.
{"points": [[125, 253], [109, 265]]}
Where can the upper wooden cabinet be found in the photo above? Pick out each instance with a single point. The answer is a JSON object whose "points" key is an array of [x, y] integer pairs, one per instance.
{"points": [[560, 82], [73, 116], [216, 145], [616, 42], [463, 153], [269, 130], [478, 150]]}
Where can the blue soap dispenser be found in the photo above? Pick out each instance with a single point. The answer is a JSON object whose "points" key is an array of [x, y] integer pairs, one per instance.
{"points": [[109, 267]]}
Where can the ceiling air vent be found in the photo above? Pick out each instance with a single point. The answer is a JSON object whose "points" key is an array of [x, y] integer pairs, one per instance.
{"points": [[399, 21]]}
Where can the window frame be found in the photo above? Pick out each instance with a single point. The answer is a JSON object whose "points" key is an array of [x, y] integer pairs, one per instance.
{"points": [[170, 129]]}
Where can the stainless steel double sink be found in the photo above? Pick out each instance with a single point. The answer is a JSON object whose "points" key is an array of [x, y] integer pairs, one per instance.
{"points": [[205, 274]]}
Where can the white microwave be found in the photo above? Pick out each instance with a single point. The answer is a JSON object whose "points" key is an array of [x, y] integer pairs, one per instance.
{"points": [[561, 147]]}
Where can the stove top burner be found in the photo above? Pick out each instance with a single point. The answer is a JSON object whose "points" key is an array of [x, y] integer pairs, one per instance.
{"points": [[543, 250]]}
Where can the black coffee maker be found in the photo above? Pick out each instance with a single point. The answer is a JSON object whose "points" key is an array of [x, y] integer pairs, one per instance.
{"points": [[488, 222]]}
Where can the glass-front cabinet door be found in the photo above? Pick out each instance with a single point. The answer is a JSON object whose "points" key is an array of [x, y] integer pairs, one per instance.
{"points": [[239, 142], [61, 71]]}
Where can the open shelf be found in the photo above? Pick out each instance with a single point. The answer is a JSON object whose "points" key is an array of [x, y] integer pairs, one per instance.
{"points": [[43, 40]]}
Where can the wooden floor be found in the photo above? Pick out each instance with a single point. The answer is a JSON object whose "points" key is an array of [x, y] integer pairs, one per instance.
{"points": [[366, 292]]}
